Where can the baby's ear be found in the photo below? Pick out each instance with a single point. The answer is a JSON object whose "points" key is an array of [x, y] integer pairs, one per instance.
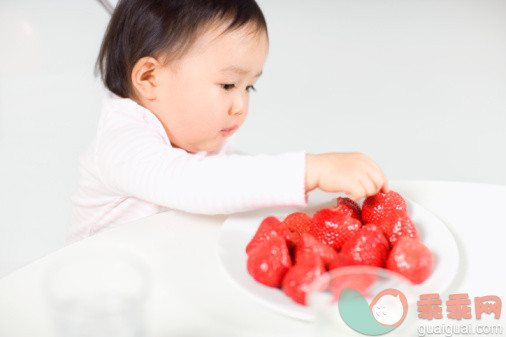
{"points": [[144, 77]]}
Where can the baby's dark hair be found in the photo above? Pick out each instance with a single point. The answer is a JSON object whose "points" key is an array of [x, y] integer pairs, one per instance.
{"points": [[140, 28]]}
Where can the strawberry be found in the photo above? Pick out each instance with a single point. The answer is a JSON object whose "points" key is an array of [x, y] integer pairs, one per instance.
{"points": [[271, 227], [412, 259], [368, 247], [379, 207], [348, 207], [299, 278], [333, 228], [293, 240], [396, 228], [298, 222], [357, 281], [310, 246], [340, 261], [269, 261]]}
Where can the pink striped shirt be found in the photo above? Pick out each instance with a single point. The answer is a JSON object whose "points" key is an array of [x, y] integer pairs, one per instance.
{"points": [[131, 171]]}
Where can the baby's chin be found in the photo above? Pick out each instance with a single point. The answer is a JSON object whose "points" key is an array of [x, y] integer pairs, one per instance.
{"points": [[211, 147]]}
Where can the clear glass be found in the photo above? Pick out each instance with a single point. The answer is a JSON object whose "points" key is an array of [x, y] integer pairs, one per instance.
{"points": [[102, 294], [327, 299]]}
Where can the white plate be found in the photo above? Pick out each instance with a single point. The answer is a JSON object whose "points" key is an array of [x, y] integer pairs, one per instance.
{"points": [[238, 230]]}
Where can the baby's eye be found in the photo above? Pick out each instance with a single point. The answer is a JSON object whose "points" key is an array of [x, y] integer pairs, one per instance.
{"points": [[227, 86], [250, 87]]}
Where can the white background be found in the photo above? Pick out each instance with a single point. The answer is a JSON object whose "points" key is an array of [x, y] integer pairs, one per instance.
{"points": [[418, 85]]}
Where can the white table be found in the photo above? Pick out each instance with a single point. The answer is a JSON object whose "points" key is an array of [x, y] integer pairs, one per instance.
{"points": [[192, 296]]}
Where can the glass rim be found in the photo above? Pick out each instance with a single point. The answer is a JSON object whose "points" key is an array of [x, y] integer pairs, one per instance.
{"points": [[321, 284]]}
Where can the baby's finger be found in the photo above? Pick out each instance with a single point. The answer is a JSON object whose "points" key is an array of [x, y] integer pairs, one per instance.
{"points": [[384, 185], [369, 186], [375, 179], [357, 192], [385, 188], [380, 180]]}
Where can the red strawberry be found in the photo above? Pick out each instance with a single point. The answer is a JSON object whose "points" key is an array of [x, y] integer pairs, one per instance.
{"points": [[381, 206], [269, 261], [348, 207], [357, 281], [299, 278], [402, 226], [271, 227], [298, 222], [368, 247], [340, 261], [412, 259], [310, 246], [293, 240], [332, 228]]}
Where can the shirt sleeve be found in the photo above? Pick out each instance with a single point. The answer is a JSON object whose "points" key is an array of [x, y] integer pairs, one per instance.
{"points": [[133, 160]]}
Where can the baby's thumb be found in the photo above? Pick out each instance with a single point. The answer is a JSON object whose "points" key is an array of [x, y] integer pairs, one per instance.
{"points": [[353, 195]]}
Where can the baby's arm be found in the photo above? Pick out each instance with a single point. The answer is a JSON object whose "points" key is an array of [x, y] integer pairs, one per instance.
{"points": [[352, 173], [135, 162]]}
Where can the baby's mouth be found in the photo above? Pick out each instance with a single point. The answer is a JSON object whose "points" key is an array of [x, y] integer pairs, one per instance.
{"points": [[229, 131]]}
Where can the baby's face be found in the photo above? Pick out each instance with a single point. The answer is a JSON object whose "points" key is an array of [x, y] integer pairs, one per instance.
{"points": [[204, 98]]}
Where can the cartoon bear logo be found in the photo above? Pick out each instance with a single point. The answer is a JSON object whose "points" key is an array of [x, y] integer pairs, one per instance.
{"points": [[385, 313], [389, 307]]}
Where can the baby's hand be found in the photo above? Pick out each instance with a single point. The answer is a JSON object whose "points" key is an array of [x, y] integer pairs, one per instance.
{"points": [[352, 173]]}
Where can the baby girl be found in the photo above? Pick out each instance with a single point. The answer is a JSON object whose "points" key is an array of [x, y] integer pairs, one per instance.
{"points": [[179, 75]]}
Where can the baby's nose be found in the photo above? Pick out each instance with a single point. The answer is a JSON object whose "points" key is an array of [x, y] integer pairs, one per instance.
{"points": [[238, 106], [235, 111]]}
